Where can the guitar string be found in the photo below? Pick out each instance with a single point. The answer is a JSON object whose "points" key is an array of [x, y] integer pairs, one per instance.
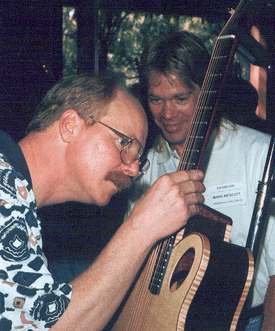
{"points": [[160, 268], [202, 101], [161, 247], [190, 146], [183, 165]]}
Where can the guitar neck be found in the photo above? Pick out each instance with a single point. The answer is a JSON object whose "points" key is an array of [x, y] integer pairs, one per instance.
{"points": [[206, 109]]}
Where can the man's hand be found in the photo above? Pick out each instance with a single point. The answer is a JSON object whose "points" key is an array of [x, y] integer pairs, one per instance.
{"points": [[168, 204]]}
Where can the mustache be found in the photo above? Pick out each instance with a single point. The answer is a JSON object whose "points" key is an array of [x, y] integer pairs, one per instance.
{"points": [[120, 179]]}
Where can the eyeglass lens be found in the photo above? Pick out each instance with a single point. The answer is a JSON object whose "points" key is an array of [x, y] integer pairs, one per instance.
{"points": [[131, 152]]}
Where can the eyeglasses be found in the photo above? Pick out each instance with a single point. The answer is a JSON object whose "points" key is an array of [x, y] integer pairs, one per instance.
{"points": [[131, 151]]}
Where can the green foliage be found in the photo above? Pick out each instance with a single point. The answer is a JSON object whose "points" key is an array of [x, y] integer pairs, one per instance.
{"points": [[69, 41], [135, 30], [122, 36]]}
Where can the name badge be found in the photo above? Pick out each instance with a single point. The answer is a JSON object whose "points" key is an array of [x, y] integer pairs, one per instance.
{"points": [[226, 195]]}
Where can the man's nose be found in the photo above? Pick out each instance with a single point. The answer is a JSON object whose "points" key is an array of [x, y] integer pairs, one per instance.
{"points": [[132, 169], [168, 110]]}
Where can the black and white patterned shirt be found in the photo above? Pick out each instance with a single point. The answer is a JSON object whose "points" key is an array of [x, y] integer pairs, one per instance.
{"points": [[30, 299]]}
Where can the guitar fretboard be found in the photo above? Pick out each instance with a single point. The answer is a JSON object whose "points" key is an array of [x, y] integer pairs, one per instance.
{"points": [[197, 138], [206, 108]]}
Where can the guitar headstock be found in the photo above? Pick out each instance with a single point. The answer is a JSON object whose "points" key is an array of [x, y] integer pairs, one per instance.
{"points": [[245, 15]]}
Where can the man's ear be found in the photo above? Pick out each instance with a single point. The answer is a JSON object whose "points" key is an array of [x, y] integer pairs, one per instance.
{"points": [[69, 123]]}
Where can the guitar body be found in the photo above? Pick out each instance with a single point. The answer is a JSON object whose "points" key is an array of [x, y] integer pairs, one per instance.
{"points": [[204, 288]]}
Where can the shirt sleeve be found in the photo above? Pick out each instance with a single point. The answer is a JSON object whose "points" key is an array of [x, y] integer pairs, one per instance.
{"points": [[30, 299]]}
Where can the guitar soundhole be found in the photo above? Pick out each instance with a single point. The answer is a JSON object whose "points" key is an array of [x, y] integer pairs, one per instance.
{"points": [[182, 269]]}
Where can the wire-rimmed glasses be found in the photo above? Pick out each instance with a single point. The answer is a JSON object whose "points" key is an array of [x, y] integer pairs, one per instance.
{"points": [[132, 150]]}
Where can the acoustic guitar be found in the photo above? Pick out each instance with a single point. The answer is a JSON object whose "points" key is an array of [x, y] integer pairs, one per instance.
{"points": [[195, 279]]}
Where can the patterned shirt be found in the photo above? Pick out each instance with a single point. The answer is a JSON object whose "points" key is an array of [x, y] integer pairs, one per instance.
{"points": [[30, 299]]}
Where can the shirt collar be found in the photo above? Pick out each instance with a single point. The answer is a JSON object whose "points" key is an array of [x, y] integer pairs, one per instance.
{"points": [[14, 155], [165, 151]]}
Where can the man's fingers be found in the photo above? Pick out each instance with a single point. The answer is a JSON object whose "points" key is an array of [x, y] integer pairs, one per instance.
{"points": [[191, 187], [194, 198], [188, 175], [194, 210]]}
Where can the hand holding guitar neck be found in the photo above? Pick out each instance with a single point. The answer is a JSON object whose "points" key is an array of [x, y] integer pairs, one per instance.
{"points": [[181, 191]]}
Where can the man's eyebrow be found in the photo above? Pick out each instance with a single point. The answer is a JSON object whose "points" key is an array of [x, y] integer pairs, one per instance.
{"points": [[177, 95], [183, 94], [152, 95]]}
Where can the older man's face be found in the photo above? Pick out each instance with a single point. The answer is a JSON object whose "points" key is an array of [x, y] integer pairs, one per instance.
{"points": [[95, 157]]}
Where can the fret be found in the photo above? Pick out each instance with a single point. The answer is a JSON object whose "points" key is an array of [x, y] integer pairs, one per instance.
{"points": [[196, 137], [230, 36], [225, 57], [193, 150], [193, 164]]}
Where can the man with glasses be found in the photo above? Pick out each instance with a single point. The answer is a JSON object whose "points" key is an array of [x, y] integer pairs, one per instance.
{"points": [[85, 144]]}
